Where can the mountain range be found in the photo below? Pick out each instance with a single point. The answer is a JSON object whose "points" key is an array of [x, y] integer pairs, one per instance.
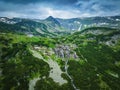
{"points": [[55, 26]]}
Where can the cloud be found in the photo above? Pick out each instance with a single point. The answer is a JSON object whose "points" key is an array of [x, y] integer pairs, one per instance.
{"points": [[36, 11], [99, 7], [58, 8], [63, 13], [40, 1]]}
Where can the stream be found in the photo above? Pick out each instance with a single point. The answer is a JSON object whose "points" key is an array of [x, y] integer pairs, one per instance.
{"points": [[66, 71], [63, 51]]}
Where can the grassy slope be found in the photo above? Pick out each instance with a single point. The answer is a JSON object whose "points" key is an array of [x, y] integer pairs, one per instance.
{"points": [[102, 68], [100, 71]]}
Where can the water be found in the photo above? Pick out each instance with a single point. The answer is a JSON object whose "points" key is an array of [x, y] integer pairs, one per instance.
{"points": [[66, 71]]}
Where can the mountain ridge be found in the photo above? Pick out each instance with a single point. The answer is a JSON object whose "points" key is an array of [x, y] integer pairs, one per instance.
{"points": [[59, 26]]}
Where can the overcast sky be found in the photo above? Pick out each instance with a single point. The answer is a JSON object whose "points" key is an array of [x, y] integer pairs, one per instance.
{"points": [[58, 8]]}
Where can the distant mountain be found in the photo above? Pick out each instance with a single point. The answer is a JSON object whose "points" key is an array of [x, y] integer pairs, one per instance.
{"points": [[10, 20], [26, 26], [82, 23], [55, 26], [53, 21], [48, 27]]}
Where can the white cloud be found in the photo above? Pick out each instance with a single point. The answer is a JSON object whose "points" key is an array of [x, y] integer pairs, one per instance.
{"points": [[40, 11], [60, 13]]}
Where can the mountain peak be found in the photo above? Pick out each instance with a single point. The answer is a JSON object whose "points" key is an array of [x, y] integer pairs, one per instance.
{"points": [[53, 20], [50, 18]]}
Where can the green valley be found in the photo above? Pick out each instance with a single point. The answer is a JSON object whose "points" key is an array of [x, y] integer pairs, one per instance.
{"points": [[75, 60]]}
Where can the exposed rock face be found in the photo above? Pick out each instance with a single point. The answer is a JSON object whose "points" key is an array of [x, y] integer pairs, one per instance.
{"points": [[65, 51], [113, 41], [55, 72]]}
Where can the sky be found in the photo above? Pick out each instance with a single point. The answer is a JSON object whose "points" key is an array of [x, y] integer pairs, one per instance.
{"points": [[40, 9]]}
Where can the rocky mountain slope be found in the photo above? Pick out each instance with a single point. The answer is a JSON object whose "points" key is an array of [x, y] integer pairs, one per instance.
{"points": [[26, 26], [55, 26], [82, 23]]}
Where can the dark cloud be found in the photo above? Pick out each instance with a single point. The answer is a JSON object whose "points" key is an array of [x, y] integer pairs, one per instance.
{"points": [[58, 8], [22, 1], [98, 5], [41, 1]]}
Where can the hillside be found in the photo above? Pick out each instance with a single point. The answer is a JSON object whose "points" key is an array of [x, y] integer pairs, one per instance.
{"points": [[48, 27], [55, 26], [84, 60], [85, 22]]}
